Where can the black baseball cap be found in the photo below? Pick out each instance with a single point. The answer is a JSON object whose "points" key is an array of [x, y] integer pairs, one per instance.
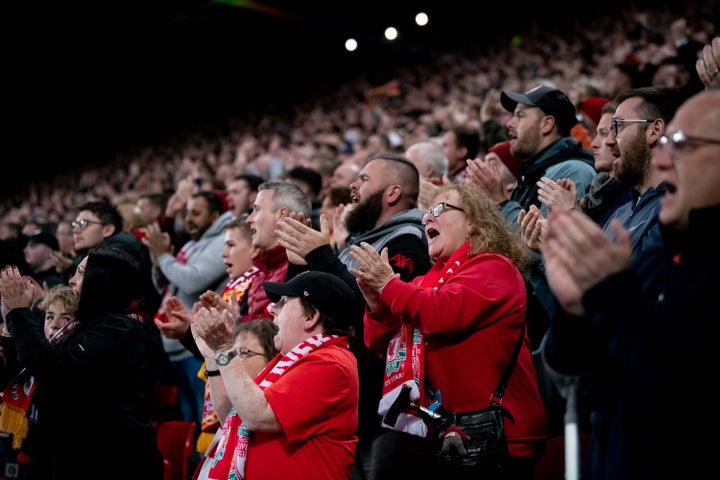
{"points": [[548, 99], [47, 238], [324, 291]]}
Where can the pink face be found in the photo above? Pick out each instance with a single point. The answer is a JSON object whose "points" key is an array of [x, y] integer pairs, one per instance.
{"points": [[370, 180], [88, 231], [263, 220], [239, 197], [448, 231], [524, 131], [56, 317], [76, 280], [690, 168], [602, 153], [237, 253]]}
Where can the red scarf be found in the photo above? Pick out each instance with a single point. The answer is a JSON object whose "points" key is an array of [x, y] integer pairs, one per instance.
{"points": [[405, 358], [17, 397], [228, 453], [210, 421]]}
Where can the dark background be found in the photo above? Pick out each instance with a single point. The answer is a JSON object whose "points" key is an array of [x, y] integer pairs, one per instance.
{"points": [[90, 78]]}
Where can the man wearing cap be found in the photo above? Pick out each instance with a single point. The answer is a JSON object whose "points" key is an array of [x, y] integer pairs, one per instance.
{"points": [[300, 414], [38, 253], [539, 133], [39, 256]]}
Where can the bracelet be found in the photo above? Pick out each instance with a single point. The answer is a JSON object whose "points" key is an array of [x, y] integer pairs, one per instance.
{"points": [[211, 373]]}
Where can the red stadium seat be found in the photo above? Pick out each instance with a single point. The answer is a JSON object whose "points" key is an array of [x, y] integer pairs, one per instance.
{"points": [[176, 442]]}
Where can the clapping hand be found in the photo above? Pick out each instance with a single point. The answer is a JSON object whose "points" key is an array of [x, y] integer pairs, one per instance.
{"points": [[177, 319], [296, 234], [577, 255], [15, 290], [373, 272], [216, 328], [560, 195], [532, 224]]}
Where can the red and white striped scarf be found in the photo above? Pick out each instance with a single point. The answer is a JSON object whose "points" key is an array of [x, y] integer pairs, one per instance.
{"points": [[210, 422], [230, 452], [405, 358]]}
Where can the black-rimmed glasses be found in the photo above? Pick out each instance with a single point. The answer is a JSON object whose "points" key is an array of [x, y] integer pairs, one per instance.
{"points": [[83, 224], [679, 141], [615, 122], [246, 352], [438, 209]]}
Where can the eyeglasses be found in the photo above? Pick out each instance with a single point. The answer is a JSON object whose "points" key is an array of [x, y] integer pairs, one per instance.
{"points": [[245, 352], [615, 121], [679, 141], [438, 210], [83, 224]]}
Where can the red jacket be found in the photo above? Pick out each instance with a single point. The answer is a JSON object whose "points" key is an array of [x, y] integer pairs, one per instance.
{"points": [[471, 324]]}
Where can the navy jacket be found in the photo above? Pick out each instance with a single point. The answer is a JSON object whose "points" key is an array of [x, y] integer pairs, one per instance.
{"points": [[648, 343]]}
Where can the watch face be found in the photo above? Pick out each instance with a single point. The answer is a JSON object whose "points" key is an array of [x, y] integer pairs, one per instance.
{"points": [[222, 359]]}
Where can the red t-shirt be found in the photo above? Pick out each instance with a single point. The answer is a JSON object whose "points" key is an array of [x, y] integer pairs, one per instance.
{"points": [[316, 402]]}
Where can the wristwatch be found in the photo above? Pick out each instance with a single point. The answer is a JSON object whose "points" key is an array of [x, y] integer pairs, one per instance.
{"points": [[224, 358]]}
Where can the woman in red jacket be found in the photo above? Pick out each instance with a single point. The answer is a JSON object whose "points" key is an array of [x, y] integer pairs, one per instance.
{"points": [[466, 315]]}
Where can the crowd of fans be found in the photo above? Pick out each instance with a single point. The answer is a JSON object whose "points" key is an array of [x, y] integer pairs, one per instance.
{"points": [[416, 103], [173, 195]]}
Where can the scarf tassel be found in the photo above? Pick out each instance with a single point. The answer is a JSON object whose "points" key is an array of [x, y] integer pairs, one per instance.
{"points": [[14, 420]]}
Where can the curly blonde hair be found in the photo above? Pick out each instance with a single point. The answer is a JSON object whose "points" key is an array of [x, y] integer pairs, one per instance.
{"points": [[489, 230], [60, 293]]}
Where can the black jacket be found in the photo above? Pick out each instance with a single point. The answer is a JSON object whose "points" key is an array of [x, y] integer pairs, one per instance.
{"points": [[649, 345], [95, 393]]}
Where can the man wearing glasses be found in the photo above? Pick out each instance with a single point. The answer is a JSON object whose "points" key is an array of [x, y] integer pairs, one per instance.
{"points": [[644, 325], [635, 131], [100, 223]]}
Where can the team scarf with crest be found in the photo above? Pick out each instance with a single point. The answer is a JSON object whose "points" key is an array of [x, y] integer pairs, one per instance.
{"points": [[405, 358], [17, 397]]}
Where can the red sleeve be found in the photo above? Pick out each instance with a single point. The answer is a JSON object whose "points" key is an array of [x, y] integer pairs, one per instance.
{"points": [[482, 286], [379, 327]]}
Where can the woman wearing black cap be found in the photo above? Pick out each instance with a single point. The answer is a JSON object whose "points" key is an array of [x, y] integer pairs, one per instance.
{"points": [[298, 417]]}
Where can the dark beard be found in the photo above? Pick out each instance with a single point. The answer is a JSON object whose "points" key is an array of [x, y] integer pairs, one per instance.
{"points": [[365, 215]]}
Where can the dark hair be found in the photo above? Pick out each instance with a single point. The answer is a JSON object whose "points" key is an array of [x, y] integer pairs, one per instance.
{"points": [[111, 283], [658, 102], [214, 201], [338, 195], [157, 199], [404, 172], [106, 212], [308, 176], [330, 327], [253, 181], [609, 107], [265, 330], [468, 138]]}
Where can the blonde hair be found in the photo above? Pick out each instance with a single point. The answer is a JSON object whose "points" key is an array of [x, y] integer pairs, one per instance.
{"points": [[60, 293], [489, 231]]}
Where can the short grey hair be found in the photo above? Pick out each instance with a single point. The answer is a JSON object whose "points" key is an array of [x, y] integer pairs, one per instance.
{"points": [[288, 195], [430, 153]]}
